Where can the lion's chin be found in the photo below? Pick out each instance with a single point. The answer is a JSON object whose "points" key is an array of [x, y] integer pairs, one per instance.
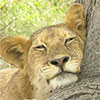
{"points": [[63, 79]]}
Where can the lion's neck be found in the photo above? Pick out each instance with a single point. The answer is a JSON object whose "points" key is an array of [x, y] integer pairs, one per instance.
{"points": [[25, 86], [42, 89], [27, 90]]}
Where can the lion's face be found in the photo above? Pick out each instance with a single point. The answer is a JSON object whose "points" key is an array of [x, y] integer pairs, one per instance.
{"points": [[55, 55]]}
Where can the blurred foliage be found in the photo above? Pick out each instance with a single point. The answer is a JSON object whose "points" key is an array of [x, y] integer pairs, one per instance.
{"points": [[23, 17]]}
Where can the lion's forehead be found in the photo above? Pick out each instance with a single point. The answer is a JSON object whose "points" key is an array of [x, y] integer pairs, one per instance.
{"points": [[54, 35], [54, 32]]}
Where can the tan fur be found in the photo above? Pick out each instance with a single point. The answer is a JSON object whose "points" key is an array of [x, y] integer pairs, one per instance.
{"points": [[5, 76], [50, 59]]}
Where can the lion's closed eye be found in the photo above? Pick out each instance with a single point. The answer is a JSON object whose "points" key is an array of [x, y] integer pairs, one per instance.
{"points": [[40, 47], [69, 40]]}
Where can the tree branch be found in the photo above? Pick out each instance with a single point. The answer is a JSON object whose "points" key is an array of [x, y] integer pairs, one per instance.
{"points": [[7, 25], [86, 89]]}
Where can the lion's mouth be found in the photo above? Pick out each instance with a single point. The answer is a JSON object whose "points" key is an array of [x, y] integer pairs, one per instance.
{"points": [[66, 72], [62, 79], [63, 74]]}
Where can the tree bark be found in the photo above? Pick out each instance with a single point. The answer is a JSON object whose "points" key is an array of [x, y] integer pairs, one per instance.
{"points": [[88, 87]]}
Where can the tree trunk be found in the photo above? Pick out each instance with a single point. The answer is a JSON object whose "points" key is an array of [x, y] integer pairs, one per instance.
{"points": [[88, 87]]}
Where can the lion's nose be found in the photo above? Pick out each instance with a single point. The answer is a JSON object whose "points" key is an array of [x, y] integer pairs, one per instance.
{"points": [[59, 61]]}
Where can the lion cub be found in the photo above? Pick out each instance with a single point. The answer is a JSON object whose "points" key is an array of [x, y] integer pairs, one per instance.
{"points": [[48, 60]]}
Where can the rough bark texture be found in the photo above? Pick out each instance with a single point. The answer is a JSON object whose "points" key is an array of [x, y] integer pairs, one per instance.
{"points": [[88, 87]]}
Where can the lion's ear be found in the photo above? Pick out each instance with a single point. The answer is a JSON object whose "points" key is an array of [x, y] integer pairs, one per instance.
{"points": [[75, 18], [14, 50]]}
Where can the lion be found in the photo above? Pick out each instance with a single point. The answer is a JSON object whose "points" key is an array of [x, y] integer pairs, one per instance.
{"points": [[5, 75], [50, 59]]}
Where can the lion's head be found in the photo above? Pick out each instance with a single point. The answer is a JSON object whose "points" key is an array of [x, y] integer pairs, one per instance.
{"points": [[53, 54]]}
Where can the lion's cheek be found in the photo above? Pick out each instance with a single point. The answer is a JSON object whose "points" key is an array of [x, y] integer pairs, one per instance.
{"points": [[73, 66], [52, 72]]}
